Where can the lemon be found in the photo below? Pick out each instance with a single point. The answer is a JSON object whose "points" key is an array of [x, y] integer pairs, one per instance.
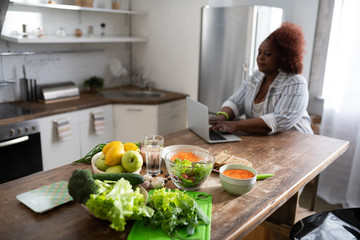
{"points": [[114, 154], [131, 146], [110, 145]]}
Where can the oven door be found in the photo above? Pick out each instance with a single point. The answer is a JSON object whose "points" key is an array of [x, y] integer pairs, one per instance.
{"points": [[20, 157]]}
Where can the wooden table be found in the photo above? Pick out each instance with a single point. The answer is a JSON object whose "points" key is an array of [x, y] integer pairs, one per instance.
{"points": [[293, 157]]}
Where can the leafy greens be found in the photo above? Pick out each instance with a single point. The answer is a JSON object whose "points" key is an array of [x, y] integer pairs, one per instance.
{"points": [[190, 174], [116, 201], [174, 209]]}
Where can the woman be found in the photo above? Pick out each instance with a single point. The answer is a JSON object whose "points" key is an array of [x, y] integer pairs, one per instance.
{"points": [[275, 97]]}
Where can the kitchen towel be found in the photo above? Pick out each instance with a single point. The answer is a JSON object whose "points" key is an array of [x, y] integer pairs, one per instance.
{"points": [[63, 129], [99, 122]]}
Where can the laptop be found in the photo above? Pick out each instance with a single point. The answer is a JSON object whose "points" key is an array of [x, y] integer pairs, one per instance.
{"points": [[198, 120]]}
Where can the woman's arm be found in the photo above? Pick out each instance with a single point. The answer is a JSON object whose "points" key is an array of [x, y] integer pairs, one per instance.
{"points": [[253, 125], [222, 116]]}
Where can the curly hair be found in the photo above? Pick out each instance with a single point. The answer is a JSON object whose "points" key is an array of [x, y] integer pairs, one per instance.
{"points": [[290, 41]]}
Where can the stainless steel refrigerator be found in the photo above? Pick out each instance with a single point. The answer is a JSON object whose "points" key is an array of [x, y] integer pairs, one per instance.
{"points": [[230, 37]]}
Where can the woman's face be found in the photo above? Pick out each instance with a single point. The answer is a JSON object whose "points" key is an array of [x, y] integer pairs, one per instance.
{"points": [[268, 58]]}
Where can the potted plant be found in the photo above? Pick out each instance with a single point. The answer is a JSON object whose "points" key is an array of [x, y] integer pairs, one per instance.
{"points": [[94, 84]]}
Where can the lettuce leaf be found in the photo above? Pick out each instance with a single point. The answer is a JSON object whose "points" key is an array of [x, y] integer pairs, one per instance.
{"points": [[116, 201], [174, 209]]}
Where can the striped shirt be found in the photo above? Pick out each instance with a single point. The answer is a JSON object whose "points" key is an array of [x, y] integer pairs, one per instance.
{"points": [[284, 106]]}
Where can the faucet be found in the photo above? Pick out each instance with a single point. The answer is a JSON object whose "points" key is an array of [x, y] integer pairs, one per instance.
{"points": [[147, 85], [142, 81]]}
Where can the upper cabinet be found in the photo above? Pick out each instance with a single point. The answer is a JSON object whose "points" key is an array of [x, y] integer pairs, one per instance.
{"points": [[96, 25]]}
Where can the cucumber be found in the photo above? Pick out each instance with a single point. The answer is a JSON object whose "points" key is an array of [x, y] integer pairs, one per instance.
{"points": [[133, 178]]}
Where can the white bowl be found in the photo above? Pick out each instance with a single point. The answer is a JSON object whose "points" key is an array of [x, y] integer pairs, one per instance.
{"points": [[237, 186], [94, 168], [189, 177], [182, 147]]}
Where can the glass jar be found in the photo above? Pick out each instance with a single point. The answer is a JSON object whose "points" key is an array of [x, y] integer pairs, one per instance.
{"points": [[78, 32], [61, 32], [40, 32], [115, 4]]}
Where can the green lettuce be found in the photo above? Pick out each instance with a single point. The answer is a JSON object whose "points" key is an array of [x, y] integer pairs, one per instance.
{"points": [[174, 209], [116, 201]]}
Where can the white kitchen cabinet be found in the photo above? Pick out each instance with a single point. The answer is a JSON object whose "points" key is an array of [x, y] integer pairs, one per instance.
{"points": [[134, 122], [57, 153], [171, 116], [88, 136]]}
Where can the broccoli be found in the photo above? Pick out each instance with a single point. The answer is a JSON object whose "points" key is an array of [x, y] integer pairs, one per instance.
{"points": [[82, 182], [81, 185]]}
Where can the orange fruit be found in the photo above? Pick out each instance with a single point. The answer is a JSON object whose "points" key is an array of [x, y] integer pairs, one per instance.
{"points": [[113, 155], [131, 146], [110, 145]]}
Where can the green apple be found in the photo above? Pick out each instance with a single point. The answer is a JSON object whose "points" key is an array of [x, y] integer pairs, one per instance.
{"points": [[100, 164], [132, 161], [115, 169]]}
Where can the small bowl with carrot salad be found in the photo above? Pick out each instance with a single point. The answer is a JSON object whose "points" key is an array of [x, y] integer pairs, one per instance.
{"points": [[237, 179], [189, 168]]}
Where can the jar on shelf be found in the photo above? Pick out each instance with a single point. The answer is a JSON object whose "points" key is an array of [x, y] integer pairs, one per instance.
{"points": [[61, 32], [78, 32], [84, 3], [91, 31], [115, 4], [40, 32]]}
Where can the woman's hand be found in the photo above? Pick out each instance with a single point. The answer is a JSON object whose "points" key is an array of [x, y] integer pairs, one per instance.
{"points": [[216, 119], [225, 126], [254, 126]]}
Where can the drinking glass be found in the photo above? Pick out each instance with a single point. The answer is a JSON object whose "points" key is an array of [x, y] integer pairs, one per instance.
{"points": [[154, 145]]}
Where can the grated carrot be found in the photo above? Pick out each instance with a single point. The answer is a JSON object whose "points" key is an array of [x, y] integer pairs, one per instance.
{"points": [[238, 173], [186, 155]]}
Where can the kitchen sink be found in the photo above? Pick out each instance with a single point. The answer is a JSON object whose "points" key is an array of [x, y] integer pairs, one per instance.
{"points": [[131, 94]]}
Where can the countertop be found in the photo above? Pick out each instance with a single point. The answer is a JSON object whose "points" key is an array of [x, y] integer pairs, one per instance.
{"points": [[295, 158], [86, 100]]}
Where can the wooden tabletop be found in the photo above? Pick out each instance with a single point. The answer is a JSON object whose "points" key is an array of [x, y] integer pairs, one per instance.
{"points": [[295, 158]]}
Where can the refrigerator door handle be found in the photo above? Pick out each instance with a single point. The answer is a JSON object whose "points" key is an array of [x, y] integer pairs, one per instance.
{"points": [[245, 72]]}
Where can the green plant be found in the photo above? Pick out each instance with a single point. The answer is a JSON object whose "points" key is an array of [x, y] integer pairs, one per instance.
{"points": [[94, 83]]}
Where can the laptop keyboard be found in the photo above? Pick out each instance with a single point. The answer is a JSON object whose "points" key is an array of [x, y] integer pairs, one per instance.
{"points": [[215, 136]]}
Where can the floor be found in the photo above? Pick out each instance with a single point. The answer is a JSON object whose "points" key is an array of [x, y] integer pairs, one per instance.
{"points": [[320, 206]]}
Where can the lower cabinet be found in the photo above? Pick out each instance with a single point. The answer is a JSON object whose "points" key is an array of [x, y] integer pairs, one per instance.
{"points": [[134, 122], [69, 136]]}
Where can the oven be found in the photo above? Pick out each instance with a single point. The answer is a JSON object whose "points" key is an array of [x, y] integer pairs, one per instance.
{"points": [[20, 150]]}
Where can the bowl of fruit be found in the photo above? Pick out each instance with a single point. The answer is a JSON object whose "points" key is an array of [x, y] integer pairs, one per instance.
{"points": [[117, 157], [189, 168]]}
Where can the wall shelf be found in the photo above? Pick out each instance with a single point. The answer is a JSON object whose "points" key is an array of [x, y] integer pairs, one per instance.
{"points": [[74, 8], [72, 39]]}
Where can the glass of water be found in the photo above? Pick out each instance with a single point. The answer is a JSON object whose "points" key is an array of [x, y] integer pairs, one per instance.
{"points": [[154, 145]]}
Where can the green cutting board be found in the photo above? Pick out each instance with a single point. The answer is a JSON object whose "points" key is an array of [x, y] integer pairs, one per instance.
{"points": [[141, 232]]}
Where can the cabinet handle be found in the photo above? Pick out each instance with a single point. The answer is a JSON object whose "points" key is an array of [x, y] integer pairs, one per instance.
{"points": [[134, 110]]}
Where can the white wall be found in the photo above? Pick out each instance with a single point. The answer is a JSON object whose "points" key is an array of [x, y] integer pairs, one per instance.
{"points": [[171, 56]]}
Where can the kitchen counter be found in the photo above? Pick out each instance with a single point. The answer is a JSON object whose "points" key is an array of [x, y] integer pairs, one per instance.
{"points": [[86, 100], [295, 159]]}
